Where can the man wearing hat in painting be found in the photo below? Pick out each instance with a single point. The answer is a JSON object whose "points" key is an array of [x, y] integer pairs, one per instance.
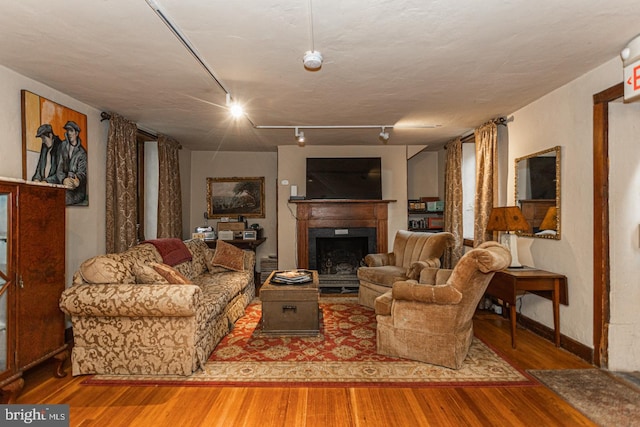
{"points": [[51, 165], [76, 160]]}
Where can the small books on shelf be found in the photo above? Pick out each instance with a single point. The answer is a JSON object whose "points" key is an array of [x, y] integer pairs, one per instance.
{"points": [[292, 277]]}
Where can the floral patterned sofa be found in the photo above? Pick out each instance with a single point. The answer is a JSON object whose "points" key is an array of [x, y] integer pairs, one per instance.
{"points": [[132, 313]]}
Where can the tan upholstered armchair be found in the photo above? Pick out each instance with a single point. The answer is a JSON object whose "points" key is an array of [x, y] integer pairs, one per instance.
{"points": [[412, 251], [431, 320]]}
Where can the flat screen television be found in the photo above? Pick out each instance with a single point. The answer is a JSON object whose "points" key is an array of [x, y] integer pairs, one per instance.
{"points": [[344, 178]]}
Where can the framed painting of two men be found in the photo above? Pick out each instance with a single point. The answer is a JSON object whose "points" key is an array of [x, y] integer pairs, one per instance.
{"points": [[55, 146]]}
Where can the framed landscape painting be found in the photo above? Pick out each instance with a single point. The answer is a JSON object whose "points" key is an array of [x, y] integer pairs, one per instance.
{"points": [[54, 146], [227, 197]]}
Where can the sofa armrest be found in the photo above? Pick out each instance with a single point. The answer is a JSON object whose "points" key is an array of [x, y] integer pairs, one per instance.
{"points": [[378, 260], [130, 300], [410, 290]]}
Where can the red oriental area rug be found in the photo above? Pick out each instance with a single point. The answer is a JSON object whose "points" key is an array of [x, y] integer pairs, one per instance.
{"points": [[344, 354]]}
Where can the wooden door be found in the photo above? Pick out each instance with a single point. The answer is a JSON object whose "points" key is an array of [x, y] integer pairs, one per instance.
{"points": [[41, 268]]}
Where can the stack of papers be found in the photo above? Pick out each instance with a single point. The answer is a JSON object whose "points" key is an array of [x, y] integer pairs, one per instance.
{"points": [[292, 277]]}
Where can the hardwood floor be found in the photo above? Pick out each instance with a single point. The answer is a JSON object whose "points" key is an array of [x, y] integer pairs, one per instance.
{"points": [[229, 406]]}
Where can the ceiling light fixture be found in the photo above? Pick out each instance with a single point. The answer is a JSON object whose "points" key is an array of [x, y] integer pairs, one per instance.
{"points": [[384, 136], [235, 109], [312, 59], [300, 136]]}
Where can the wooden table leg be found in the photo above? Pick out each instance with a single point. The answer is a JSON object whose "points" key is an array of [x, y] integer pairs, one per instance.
{"points": [[556, 310], [512, 315], [9, 393]]}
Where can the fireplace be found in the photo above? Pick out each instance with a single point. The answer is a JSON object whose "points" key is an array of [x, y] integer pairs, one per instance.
{"points": [[345, 231], [337, 253]]}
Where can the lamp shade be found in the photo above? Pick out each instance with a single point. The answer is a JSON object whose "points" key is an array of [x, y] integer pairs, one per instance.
{"points": [[550, 221], [507, 218]]}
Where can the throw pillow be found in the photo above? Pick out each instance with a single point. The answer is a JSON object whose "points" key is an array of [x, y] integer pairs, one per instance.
{"points": [[228, 256], [110, 268], [145, 274], [170, 274]]}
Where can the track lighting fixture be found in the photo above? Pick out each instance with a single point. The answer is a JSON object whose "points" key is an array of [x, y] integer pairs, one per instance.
{"points": [[300, 136], [384, 136]]}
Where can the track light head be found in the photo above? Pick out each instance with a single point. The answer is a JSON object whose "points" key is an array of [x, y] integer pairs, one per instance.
{"points": [[384, 136], [235, 109], [300, 137]]}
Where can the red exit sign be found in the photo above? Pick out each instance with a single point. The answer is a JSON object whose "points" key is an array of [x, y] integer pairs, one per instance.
{"points": [[631, 62], [632, 81]]}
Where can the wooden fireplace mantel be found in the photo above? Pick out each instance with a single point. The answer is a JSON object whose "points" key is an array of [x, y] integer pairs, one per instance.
{"points": [[339, 213]]}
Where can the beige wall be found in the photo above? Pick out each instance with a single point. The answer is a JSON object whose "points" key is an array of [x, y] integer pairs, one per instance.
{"points": [[292, 164], [624, 217], [423, 174], [85, 224], [211, 164], [564, 117]]}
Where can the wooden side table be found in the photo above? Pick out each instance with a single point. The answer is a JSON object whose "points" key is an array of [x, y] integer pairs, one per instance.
{"points": [[240, 243], [508, 284]]}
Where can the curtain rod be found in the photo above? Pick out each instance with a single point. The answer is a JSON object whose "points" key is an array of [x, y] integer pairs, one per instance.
{"points": [[471, 137], [106, 116]]}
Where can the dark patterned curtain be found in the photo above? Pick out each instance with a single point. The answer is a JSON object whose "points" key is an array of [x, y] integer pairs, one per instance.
{"points": [[122, 181], [453, 202], [169, 195]]}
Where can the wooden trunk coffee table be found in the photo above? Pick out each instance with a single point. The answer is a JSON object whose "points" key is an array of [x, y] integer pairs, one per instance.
{"points": [[290, 309]]}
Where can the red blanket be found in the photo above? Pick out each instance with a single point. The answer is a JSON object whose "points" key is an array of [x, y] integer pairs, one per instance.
{"points": [[172, 250]]}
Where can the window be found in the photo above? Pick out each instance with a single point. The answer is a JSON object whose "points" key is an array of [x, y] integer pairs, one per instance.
{"points": [[468, 189]]}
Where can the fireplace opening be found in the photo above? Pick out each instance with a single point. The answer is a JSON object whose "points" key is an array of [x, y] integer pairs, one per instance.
{"points": [[340, 256], [337, 253]]}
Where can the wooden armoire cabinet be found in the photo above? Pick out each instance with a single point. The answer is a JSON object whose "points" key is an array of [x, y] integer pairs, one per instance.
{"points": [[32, 277]]}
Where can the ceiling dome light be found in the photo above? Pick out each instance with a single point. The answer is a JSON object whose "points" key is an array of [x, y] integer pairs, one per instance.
{"points": [[312, 60]]}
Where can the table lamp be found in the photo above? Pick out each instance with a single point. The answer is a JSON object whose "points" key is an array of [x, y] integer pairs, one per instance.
{"points": [[508, 219]]}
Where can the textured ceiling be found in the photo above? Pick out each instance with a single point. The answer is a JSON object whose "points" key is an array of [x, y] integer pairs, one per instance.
{"points": [[455, 64]]}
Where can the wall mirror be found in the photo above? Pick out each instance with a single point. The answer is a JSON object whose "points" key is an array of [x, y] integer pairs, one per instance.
{"points": [[537, 192]]}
